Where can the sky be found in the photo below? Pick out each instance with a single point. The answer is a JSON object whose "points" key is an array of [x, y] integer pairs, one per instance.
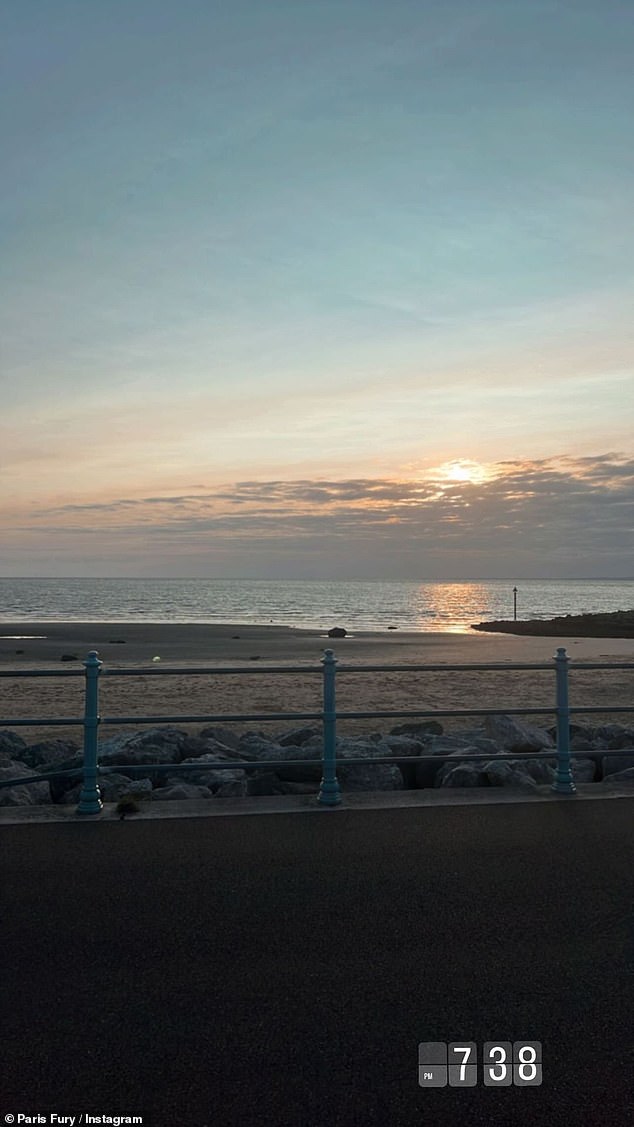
{"points": [[327, 289]]}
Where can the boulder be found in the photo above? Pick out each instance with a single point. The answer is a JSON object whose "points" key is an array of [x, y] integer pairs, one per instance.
{"points": [[419, 729], [256, 746], [113, 787], [462, 775], [310, 770], [404, 747], [178, 792], [426, 772], [212, 777], [48, 753], [337, 632], [514, 735], [225, 736], [500, 773], [237, 789], [615, 764], [59, 787], [613, 736], [26, 794], [366, 776], [11, 744], [156, 745], [446, 770], [297, 737], [584, 769], [620, 778], [265, 782]]}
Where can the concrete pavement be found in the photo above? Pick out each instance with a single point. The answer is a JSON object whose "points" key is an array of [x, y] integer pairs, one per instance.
{"points": [[281, 970]]}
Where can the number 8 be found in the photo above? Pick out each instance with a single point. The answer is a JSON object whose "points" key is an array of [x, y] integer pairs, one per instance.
{"points": [[527, 1064]]}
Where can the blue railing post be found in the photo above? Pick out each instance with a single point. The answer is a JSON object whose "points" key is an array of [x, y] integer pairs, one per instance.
{"points": [[90, 797], [564, 783], [329, 794]]}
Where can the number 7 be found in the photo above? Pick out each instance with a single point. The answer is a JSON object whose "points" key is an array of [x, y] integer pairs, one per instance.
{"points": [[467, 1052]]}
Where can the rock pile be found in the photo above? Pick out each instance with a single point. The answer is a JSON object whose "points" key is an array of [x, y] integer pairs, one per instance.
{"points": [[218, 763]]}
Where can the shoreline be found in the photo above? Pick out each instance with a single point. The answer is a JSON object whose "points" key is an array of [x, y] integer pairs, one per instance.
{"points": [[26, 644]]}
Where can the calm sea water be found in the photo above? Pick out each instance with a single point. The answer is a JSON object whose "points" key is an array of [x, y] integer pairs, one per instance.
{"points": [[310, 604]]}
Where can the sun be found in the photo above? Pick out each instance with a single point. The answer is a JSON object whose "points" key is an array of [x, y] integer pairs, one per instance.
{"points": [[465, 471]]}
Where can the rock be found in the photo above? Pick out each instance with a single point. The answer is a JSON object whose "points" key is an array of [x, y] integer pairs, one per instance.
{"points": [[237, 789], [445, 770], [581, 743], [514, 735], [297, 737], [70, 797], [584, 770], [509, 774], [26, 794], [156, 745], [404, 747], [613, 736], [426, 772], [226, 736], [337, 632], [59, 787], [620, 778], [49, 753], [179, 792], [380, 776], [210, 777], [69, 657], [418, 729], [462, 775], [113, 787], [11, 744], [614, 764], [264, 782], [310, 770], [257, 746]]}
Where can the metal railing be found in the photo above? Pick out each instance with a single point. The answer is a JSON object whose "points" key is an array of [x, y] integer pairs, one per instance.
{"points": [[329, 669]]}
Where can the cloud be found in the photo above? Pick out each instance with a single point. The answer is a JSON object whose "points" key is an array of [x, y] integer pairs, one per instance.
{"points": [[533, 517]]}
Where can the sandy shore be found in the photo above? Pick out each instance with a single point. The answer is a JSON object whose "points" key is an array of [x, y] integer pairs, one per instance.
{"points": [[252, 648]]}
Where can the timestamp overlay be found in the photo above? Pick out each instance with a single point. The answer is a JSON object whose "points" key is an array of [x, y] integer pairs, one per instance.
{"points": [[496, 1064]]}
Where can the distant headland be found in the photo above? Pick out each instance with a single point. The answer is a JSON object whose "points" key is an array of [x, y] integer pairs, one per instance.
{"points": [[618, 624]]}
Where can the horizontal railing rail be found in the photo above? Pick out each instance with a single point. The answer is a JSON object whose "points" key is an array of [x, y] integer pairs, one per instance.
{"points": [[328, 670]]}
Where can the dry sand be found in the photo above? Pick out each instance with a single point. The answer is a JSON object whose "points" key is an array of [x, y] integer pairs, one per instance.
{"points": [[251, 649]]}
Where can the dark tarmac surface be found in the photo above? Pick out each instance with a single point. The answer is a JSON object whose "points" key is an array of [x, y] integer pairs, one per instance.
{"points": [[281, 969]]}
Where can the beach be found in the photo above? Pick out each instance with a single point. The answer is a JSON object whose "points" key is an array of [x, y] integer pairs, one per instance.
{"points": [[251, 650]]}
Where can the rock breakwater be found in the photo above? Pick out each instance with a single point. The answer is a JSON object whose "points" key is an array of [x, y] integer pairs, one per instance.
{"points": [[168, 763]]}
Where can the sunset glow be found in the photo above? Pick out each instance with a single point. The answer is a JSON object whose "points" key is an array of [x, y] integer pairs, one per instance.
{"points": [[466, 471], [333, 290]]}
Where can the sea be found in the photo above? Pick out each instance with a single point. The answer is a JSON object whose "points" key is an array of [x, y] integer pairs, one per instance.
{"points": [[308, 604]]}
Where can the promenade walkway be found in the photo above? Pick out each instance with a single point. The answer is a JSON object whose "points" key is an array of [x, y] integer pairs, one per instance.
{"points": [[280, 970]]}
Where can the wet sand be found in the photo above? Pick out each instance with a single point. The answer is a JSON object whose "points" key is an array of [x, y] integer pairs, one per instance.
{"points": [[250, 649]]}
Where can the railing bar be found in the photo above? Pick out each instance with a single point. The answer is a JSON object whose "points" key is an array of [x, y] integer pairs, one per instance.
{"points": [[51, 721], [216, 718], [41, 673], [450, 712], [161, 670], [154, 671], [602, 708]]}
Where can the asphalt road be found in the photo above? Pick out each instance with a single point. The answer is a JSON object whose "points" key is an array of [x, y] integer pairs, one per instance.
{"points": [[282, 969]]}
